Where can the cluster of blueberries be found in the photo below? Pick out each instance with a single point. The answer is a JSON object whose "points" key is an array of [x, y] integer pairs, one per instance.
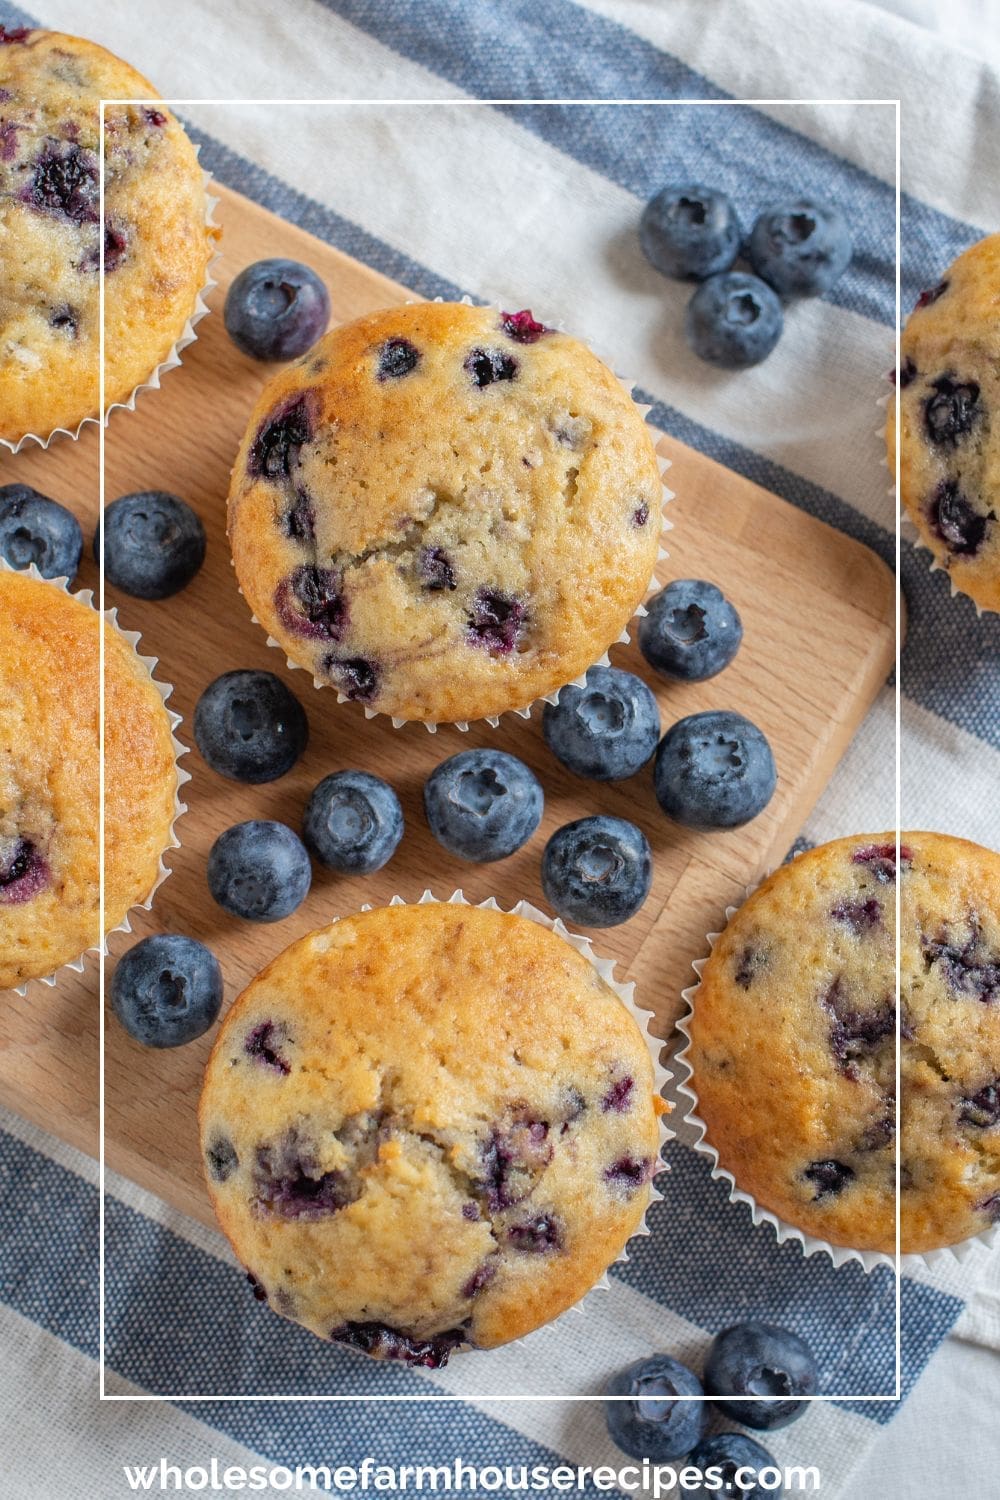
{"points": [[154, 543], [711, 770], [735, 318], [755, 1374]]}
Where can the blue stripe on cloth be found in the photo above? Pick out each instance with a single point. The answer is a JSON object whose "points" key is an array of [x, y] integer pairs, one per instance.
{"points": [[943, 638], [48, 1244], [13, 15], [178, 1319], [553, 49], [705, 1259]]}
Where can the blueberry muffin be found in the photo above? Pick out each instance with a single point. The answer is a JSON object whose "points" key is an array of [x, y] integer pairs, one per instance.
{"points": [[793, 1042], [427, 1127], [445, 511], [949, 380], [156, 243], [49, 778]]}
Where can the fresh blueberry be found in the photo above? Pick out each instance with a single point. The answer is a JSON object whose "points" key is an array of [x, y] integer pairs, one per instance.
{"points": [[276, 309], [729, 1452], [353, 822], [154, 544], [653, 1424], [714, 770], [690, 232], [607, 730], [690, 631], [259, 871], [482, 804], [250, 727], [40, 531], [800, 248], [597, 871], [733, 320], [758, 1359], [167, 990]]}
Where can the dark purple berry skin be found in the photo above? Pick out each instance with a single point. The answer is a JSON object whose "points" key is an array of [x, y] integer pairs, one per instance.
{"points": [[274, 452], [288, 1185], [34, 529], [690, 632], [690, 232], [538, 1236], [969, 969], [859, 916], [396, 358], [734, 320], [154, 544], [259, 871], [931, 294], [714, 770], [828, 1177], [653, 1424], [486, 366], [482, 805], [167, 990], [982, 1110], [379, 1341], [23, 872], [310, 603], [263, 1043], [353, 822], [597, 871], [618, 1099], [64, 183], [355, 676], [115, 247], [250, 727], [881, 860], [856, 1033], [606, 730], [759, 1359], [731, 1453], [522, 327], [276, 309], [497, 622], [954, 519], [800, 248], [952, 411], [627, 1175], [435, 570]]}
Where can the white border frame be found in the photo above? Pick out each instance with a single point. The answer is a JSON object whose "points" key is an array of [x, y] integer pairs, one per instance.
{"points": [[444, 1396]]}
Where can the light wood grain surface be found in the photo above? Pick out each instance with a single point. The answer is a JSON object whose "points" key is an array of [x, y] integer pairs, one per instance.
{"points": [[818, 615]]}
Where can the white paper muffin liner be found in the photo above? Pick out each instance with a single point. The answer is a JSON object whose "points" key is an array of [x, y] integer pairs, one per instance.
{"points": [[840, 1255], [908, 527], [132, 638], [643, 1019], [602, 661], [170, 361]]}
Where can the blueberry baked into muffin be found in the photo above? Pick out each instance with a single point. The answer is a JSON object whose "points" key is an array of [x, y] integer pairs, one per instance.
{"points": [[792, 1042], [949, 380], [156, 242], [445, 511], [49, 775], [428, 1127]]}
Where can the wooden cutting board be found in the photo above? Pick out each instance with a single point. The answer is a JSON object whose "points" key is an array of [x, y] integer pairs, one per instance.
{"points": [[818, 612]]}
